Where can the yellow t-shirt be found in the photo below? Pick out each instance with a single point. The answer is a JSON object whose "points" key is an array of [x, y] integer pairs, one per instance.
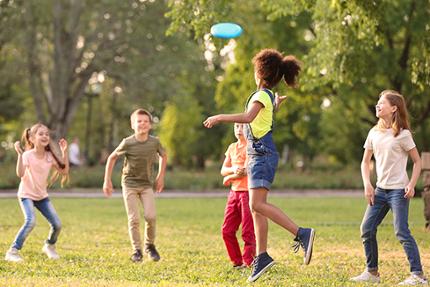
{"points": [[262, 123]]}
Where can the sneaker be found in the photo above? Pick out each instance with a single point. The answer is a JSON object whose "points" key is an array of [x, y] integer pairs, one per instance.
{"points": [[12, 255], [305, 238], [260, 264], [49, 250], [137, 256], [366, 276], [152, 252], [414, 280]]}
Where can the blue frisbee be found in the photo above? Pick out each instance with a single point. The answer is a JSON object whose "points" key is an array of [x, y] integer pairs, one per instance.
{"points": [[226, 30]]}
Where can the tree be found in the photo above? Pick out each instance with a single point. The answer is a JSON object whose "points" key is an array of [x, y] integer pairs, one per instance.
{"points": [[67, 43], [352, 51], [297, 123], [364, 47]]}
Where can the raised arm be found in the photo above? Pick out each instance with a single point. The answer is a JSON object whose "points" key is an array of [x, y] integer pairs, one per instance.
{"points": [[278, 101], [245, 117], [20, 169], [65, 157]]}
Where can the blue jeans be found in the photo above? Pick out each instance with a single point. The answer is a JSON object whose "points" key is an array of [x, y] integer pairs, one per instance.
{"points": [[386, 199], [47, 209]]}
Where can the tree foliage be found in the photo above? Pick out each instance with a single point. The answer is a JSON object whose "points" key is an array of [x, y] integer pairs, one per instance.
{"points": [[351, 50]]}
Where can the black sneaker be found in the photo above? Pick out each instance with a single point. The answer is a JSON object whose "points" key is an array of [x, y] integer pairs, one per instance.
{"points": [[137, 256], [152, 252], [305, 238], [260, 264]]}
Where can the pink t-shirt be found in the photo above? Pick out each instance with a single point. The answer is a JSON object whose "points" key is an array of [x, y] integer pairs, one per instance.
{"points": [[35, 180]]}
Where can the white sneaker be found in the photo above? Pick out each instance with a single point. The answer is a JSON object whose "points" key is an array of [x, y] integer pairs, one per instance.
{"points": [[49, 250], [414, 280], [366, 276], [12, 255]]}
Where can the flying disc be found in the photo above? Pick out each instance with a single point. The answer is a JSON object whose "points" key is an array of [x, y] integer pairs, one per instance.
{"points": [[226, 30]]}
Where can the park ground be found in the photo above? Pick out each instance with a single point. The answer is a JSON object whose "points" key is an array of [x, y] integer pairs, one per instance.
{"points": [[95, 248]]}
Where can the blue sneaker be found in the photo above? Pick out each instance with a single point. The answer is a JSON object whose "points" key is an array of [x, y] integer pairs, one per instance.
{"points": [[260, 264], [305, 238]]}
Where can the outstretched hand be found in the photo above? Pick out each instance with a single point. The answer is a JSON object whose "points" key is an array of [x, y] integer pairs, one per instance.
{"points": [[18, 149], [279, 99], [63, 145], [211, 121]]}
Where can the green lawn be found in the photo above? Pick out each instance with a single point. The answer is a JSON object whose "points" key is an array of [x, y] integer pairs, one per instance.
{"points": [[95, 248]]}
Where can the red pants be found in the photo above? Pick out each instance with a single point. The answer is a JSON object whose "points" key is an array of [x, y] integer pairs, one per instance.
{"points": [[237, 211]]}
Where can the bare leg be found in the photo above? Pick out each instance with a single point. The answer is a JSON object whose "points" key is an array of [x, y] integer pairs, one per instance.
{"points": [[261, 210]]}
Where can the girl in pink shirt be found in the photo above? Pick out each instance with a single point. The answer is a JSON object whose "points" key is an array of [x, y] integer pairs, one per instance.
{"points": [[33, 167]]}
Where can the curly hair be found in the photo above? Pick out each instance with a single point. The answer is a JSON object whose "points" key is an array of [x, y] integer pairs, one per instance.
{"points": [[271, 66]]}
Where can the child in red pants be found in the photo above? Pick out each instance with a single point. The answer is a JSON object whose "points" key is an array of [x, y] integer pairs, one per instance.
{"points": [[237, 209]]}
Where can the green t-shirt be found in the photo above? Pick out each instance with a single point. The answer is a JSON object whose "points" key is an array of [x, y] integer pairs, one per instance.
{"points": [[140, 157], [262, 123]]}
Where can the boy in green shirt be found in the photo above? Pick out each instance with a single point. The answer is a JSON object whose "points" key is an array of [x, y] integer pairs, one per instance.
{"points": [[140, 151]]}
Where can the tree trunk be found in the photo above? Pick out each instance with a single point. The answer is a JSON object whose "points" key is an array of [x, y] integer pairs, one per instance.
{"points": [[57, 93]]}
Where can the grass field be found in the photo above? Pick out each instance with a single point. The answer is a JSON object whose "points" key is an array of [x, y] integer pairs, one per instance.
{"points": [[95, 248]]}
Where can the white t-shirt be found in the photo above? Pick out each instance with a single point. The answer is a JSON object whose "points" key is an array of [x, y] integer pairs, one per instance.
{"points": [[74, 154], [391, 156]]}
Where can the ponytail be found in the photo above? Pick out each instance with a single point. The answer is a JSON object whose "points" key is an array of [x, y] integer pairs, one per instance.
{"points": [[271, 66], [291, 68], [25, 139], [56, 174]]}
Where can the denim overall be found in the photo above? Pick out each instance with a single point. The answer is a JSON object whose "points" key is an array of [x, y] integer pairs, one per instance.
{"points": [[262, 154]]}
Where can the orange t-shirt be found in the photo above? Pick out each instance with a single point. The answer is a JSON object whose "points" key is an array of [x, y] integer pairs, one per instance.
{"points": [[237, 156], [35, 180]]}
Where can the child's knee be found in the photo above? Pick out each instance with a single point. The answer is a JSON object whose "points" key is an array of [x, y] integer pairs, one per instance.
{"points": [[30, 223], [255, 207], [227, 232], [57, 225], [150, 218], [133, 221]]}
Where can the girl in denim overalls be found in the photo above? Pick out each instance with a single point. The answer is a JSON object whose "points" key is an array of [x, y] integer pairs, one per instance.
{"points": [[390, 141], [270, 66]]}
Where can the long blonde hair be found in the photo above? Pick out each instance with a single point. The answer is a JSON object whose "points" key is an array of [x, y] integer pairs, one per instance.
{"points": [[400, 118], [28, 144]]}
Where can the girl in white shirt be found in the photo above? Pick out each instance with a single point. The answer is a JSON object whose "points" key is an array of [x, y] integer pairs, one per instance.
{"points": [[391, 143]]}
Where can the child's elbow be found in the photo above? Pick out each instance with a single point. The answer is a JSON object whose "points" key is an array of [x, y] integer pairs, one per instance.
{"points": [[163, 157], [248, 118], [418, 163], [112, 157]]}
